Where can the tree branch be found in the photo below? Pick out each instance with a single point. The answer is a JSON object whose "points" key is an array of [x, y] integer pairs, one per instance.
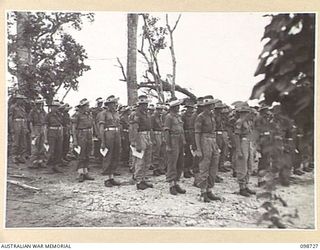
{"points": [[122, 70]]}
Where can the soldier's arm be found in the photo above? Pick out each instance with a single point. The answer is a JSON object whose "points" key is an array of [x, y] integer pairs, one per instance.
{"points": [[167, 127], [237, 138], [197, 133]]}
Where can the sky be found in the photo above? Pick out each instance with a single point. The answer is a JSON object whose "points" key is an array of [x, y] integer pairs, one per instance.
{"points": [[217, 54]]}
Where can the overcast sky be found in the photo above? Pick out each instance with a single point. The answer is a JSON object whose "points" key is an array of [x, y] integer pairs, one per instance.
{"points": [[217, 53]]}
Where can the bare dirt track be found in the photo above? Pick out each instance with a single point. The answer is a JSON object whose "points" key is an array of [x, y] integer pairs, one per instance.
{"points": [[63, 202]]}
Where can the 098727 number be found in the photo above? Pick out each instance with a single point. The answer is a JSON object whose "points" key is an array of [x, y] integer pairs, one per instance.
{"points": [[308, 246]]}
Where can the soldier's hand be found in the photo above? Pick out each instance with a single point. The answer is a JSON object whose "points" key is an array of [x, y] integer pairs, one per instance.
{"points": [[45, 142], [103, 146], [240, 154], [75, 144], [168, 148], [138, 148]]}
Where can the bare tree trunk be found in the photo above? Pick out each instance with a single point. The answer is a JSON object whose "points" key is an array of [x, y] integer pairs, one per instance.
{"points": [[173, 56], [132, 88], [23, 50]]}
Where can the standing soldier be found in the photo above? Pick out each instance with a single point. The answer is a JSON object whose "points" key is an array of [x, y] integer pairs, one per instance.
{"points": [[188, 126], [64, 109], [141, 141], [175, 142], [36, 119], [53, 136], [244, 157], [109, 127], [222, 135], [82, 125], [125, 144], [96, 135], [158, 147], [18, 120], [207, 150]]}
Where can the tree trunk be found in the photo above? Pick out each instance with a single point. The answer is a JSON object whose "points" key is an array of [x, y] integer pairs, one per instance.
{"points": [[23, 49], [132, 88]]}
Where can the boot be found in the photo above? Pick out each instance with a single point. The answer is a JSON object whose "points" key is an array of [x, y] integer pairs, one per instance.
{"points": [[218, 179], [21, 159], [88, 177], [162, 171], [187, 174], [56, 169], [244, 192], [108, 183], [149, 185], [223, 169], [81, 178], [234, 174], [115, 183], [250, 191], [173, 190], [156, 172], [212, 197], [141, 186], [205, 197], [180, 190]]}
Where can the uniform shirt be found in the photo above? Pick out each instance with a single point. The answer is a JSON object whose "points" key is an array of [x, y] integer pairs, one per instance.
{"points": [[95, 111], [243, 127], [205, 123], [37, 116], [83, 120], [124, 122], [109, 119], [188, 122], [53, 119], [220, 122], [17, 112], [157, 123], [65, 118], [174, 124], [143, 120]]}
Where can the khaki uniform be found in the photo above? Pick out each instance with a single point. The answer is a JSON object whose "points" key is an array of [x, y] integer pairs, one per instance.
{"points": [[125, 144], [143, 120], [205, 125], [222, 138], [243, 129], [174, 125], [158, 146], [36, 118], [18, 118], [83, 123], [188, 126], [111, 122], [54, 123]]}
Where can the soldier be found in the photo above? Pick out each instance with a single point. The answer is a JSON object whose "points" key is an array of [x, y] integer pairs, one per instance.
{"points": [[64, 109], [222, 135], [53, 136], [36, 119], [188, 126], [96, 135], [207, 149], [82, 131], [124, 122], [109, 127], [141, 141], [18, 120], [158, 147], [175, 142], [244, 157]]}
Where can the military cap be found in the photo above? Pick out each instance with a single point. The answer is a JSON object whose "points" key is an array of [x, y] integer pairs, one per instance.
{"points": [[160, 106], [111, 99], [220, 106], [54, 103], [39, 100], [20, 96], [99, 100], [143, 99], [83, 102], [151, 107]]}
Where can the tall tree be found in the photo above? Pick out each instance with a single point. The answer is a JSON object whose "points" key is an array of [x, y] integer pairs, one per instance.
{"points": [[131, 78], [54, 58], [287, 63]]}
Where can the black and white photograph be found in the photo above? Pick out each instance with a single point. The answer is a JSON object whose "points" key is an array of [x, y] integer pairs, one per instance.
{"points": [[160, 120]]}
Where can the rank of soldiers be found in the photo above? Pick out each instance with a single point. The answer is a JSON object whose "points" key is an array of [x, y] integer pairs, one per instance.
{"points": [[194, 142]]}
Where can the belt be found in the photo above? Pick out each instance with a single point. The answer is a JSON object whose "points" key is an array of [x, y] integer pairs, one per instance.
{"points": [[56, 128], [209, 135], [219, 132], [265, 133], [157, 132], [85, 129], [189, 130], [144, 132], [20, 119], [278, 137], [111, 129], [125, 130], [244, 138], [290, 139]]}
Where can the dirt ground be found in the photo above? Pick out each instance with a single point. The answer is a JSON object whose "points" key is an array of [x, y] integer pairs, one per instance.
{"points": [[63, 202]]}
